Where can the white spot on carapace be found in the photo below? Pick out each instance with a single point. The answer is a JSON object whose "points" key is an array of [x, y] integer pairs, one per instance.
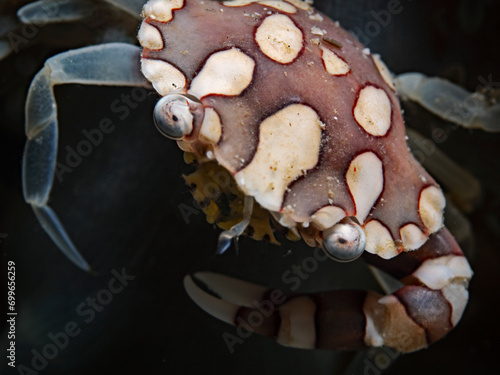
{"points": [[280, 5], [276, 4], [279, 38], [211, 128], [430, 206], [457, 295], [384, 71], [438, 272], [164, 76], [161, 10], [379, 240], [334, 65], [412, 236], [317, 31], [327, 217], [285, 217], [365, 179], [373, 111], [315, 41], [299, 4], [225, 73], [316, 17], [297, 325], [289, 144], [150, 37]]}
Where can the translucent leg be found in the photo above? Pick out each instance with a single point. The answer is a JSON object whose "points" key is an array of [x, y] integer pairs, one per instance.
{"points": [[50, 11], [132, 7], [450, 102], [114, 64], [464, 188], [8, 24]]}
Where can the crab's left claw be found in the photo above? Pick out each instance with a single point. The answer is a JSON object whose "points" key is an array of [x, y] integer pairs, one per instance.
{"points": [[94, 65], [423, 310]]}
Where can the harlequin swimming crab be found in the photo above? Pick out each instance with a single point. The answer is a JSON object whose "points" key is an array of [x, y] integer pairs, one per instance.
{"points": [[308, 123]]}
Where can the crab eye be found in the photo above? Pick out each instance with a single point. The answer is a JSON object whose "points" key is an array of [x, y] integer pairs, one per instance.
{"points": [[173, 116], [344, 242]]}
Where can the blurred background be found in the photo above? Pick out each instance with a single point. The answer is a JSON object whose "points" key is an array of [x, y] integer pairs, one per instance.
{"points": [[127, 207]]}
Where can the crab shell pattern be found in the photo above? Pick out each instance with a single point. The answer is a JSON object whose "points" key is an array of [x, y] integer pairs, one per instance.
{"points": [[299, 112]]}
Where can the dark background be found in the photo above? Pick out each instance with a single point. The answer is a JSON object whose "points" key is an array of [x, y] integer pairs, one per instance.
{"points": [[122, 207]]}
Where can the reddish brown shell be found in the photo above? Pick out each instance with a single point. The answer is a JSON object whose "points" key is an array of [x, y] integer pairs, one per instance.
{"points": [[312, 130]]}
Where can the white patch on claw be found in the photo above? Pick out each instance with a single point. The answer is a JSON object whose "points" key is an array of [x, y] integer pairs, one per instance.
{"points": [[430, 206], [165, 77], [334, 65], [395, 321], [365, 179], [229, 289], [412, 236], [297, 328], [384, 71], [161, 10], [327, 217], [457, 295], [289, 144], [373, 111], [374, 314], [150, 37], [279, 38], [224, 73], [379, 240], [214, 306], [211, 128], [438, 272]]}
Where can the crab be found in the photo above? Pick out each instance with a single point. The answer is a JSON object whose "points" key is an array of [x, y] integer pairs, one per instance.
{"points": [[213, 103]]}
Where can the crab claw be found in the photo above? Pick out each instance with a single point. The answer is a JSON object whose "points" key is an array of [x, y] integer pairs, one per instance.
{"points": [[423, 310]]}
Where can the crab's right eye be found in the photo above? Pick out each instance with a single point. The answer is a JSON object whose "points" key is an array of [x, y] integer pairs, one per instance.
{"points": [[173, 117]]}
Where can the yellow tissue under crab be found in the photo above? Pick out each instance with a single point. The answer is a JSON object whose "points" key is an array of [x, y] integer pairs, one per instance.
{"points": [[220, 199]]}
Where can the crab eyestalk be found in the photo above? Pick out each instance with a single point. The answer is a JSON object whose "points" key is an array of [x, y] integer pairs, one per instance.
{"points": [[344, 242], [174, 115]]}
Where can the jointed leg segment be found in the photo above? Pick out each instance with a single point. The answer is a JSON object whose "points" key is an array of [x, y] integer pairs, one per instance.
{"points": [[114, 64]]}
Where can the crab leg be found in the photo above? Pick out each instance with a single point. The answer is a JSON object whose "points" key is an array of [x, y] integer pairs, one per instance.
{"points": [[449, 101], [49, 11], [91, 66], [132, 7], [427, 306], [463, 187]]}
